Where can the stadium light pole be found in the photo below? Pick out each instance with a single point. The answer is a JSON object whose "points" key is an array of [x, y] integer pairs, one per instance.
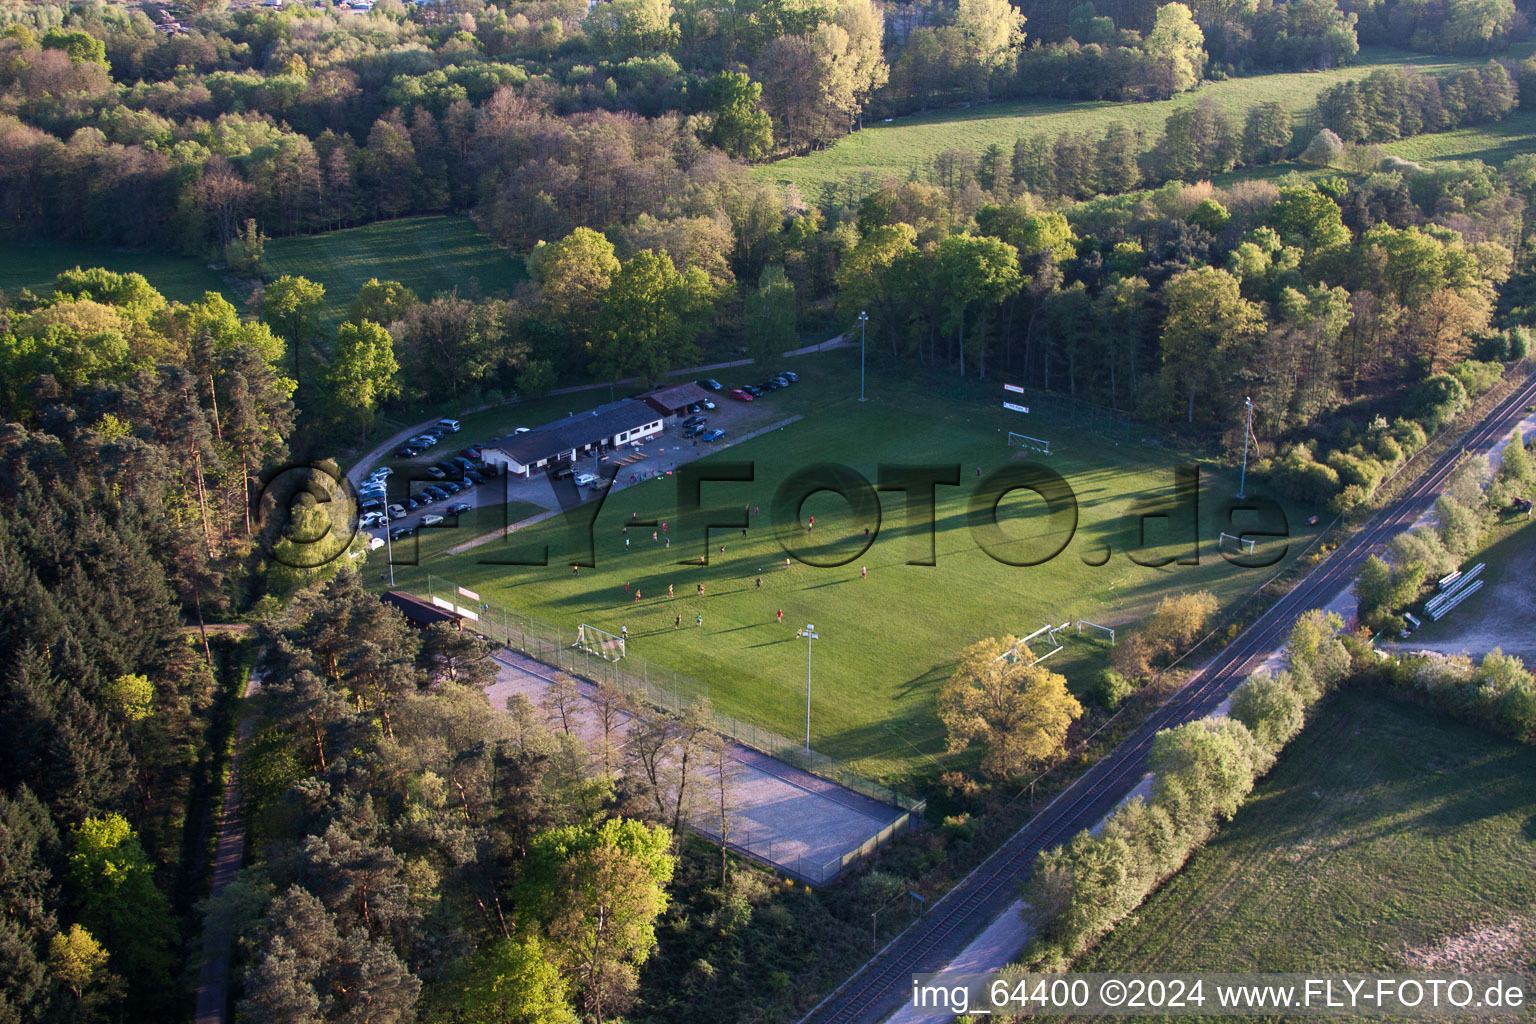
{"points": [[1242, 485], [809, 633], [863, 319], [389, 546]]}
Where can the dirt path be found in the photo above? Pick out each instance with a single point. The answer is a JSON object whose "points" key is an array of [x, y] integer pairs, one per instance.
{"points": [[212, 1004]]}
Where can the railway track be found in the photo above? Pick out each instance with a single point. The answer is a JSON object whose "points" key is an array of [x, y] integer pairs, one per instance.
{"points": [[880, 985]]}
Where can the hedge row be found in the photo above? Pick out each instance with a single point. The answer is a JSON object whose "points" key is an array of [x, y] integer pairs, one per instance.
{"points": [[1204, 770]]}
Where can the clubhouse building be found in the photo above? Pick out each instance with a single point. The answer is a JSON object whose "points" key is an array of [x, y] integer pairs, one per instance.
{"points": [[595, 431]]}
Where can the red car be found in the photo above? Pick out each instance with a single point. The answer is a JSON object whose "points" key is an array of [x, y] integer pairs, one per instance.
{"points": [[741, 396]]}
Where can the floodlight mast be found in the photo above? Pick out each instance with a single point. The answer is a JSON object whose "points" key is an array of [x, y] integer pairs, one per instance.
{"points": [[863, 320], [809, 633], [1242, 485]]}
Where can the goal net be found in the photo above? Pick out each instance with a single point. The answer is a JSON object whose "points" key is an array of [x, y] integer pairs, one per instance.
{"points": [[1034, 444], [599, 642], [1232, 542]]}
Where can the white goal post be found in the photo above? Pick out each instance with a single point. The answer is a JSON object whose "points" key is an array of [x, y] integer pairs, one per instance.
{"points": [[1243, 546], [1035, 444], [1094, 625], [1012, 653], [599, 642]]}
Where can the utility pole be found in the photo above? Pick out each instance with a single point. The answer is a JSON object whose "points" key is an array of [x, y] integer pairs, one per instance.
{"points": [[1242, 485], [863, 320], [809, 633]]}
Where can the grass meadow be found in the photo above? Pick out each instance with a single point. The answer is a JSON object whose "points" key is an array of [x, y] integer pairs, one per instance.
{"points": [[179, 278], [1384, 829], [884, 151], [888, 640], [428, 254]]}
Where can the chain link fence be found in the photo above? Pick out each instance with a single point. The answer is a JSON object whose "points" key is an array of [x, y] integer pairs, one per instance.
{"points": [[659, 687]]}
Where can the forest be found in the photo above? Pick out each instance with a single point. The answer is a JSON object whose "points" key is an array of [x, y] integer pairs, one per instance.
{"points": [[419, 855]]}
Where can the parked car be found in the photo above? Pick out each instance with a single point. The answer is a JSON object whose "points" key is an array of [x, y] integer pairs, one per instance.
{"points": [[769, 385], [431, 520], [522, 430], [371, 520], [405, 451], [710, 383], [452, 486], [562, 473], [693, 421], [586, 480], [696, 407], [474, 476], [401, 532], [781, 382], [458, 507], [437, 471], [741, 395], [452, 426], [714, 435], [753, 390], [381, 473], [397, 510], [708, 403], [470, 453], [790, 375], [462, 463], [435, 493]]}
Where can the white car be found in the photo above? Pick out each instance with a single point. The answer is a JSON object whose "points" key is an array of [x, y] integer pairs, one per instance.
{"points": [[397, 511], [381, 473], [586, 480], [452, 426], [522, 430], [370, 520], [431, 520]]}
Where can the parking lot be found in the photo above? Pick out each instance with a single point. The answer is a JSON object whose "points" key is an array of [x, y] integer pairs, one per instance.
{"points": [[630, 464]]}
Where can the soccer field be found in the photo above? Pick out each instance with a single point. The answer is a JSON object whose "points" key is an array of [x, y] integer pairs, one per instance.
{"points": [[886, 640]]}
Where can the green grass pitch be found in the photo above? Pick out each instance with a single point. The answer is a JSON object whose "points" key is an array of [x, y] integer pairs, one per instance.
{"points": [[179, 278], [428, 254], [888, 640], [1384, 827]]}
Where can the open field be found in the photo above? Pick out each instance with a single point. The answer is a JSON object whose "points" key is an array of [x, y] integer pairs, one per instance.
{"points": [[886, 641], [427, 254], [179, 278], [1491, 143], [891, 150], [1384, 829]]}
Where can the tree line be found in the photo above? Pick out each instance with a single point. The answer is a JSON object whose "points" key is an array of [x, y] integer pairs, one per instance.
{"points": [[132, 432], [545, 116]]}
